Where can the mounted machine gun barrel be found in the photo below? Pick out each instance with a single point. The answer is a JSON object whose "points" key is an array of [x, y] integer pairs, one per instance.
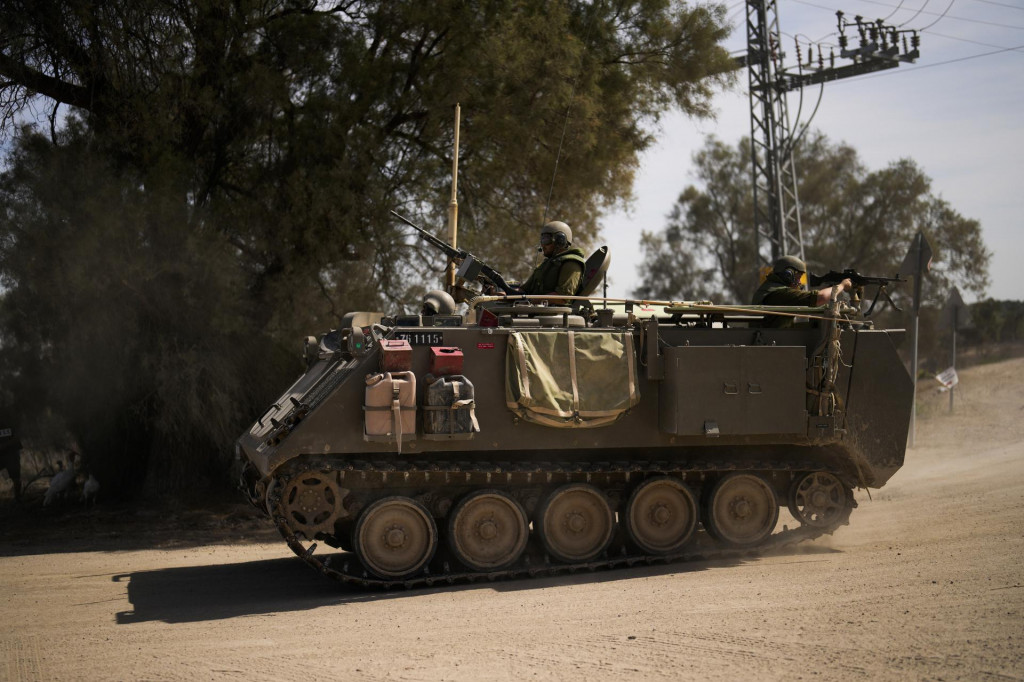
{"points": [[470, 267]]}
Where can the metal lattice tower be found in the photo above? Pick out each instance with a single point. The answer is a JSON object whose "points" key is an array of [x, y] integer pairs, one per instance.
{"points": [[776, 205]]}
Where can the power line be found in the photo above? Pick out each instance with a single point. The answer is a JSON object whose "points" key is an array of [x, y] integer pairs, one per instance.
{"points": [[897, 9], [1000, 4], [920, 11], [998, 48], [916, 14], [941, 16], [948, 61], [821, 41], [973, 42]]}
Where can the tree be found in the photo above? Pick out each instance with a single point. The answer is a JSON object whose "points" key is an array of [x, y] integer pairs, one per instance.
{"points": [[122, 322], [994, 321], [211, 180], [851, 217]]}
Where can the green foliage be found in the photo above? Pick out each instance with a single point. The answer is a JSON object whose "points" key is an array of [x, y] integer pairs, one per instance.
{"points": [[851, 217], [217, 178], [991, 321], [122, 314]]}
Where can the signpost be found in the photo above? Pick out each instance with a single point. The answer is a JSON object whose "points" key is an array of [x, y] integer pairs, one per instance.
{"points": [[917, 262], [956, 311]]}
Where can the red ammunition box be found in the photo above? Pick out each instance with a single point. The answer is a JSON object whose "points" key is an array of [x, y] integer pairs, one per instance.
{"points": [[395, 355], [445, 360]]}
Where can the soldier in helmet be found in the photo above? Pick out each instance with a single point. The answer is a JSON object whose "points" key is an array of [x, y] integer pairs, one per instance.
{"points": [[784, 286], [562, 268]]}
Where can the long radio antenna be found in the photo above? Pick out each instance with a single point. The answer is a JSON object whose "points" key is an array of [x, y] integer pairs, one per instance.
{"points": [[568, 110], [558, 154]]}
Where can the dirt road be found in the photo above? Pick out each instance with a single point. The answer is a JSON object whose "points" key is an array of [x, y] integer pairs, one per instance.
{"points": [[926, 583]]}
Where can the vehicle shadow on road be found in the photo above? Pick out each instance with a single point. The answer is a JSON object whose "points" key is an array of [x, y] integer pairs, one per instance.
{"points": [[220, 591]]}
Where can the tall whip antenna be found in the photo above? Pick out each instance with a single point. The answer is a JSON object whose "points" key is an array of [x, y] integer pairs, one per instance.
{"points": [[568, 109], [558, 155]]}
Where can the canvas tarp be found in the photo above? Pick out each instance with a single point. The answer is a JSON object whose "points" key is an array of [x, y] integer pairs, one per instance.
{"points": [[571, 379]]}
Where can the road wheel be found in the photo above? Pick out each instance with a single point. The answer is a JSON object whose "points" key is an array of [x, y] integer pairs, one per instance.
{"points": [[395, 537], [661, 515], [576, 523], [741, 510], [488, 531]]}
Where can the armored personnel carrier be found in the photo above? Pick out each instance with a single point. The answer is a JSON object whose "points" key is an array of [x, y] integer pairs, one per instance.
{"points": [[524, 439]]}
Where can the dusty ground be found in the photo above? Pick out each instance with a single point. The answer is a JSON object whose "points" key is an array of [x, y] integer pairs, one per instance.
{"points": [[927, 583]]}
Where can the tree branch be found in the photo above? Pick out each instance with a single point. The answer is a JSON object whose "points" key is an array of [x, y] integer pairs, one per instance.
{"points": [[48, 86]]}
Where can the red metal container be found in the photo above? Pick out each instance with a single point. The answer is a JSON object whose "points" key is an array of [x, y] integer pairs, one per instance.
{"points": [[445, 360], [395, 355]]}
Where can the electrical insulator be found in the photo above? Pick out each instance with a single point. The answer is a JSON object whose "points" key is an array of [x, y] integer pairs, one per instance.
{"points": [[832, 59], [915, 40]]}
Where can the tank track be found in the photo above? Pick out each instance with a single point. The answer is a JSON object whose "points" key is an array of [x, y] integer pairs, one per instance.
{"points": [[440, 571]]}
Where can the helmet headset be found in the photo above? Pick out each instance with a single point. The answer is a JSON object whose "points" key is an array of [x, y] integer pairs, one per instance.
{"points": [[790, 270]]}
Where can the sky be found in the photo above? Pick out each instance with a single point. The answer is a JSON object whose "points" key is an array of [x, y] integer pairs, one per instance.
{"points": [[958, 111]]}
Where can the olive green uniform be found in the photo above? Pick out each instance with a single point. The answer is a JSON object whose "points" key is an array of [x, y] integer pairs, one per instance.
{"points": [[560, 273], [775, 291]]}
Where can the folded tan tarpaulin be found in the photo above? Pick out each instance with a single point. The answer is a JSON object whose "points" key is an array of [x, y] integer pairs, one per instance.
{"points": [[571, 380]]}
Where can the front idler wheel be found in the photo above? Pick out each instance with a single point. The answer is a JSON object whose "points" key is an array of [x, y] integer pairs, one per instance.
{"points": [[488, 531], [661, 515], [576, 523], [395, 537], [742, 510]]}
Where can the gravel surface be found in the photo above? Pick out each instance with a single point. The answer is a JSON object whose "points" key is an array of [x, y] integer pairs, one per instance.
{"points": [[926, 583]]}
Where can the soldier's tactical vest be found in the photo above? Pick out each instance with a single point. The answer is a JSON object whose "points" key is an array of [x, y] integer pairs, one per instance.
{"points": [[784, 294], [767, 288], [545, 277]]}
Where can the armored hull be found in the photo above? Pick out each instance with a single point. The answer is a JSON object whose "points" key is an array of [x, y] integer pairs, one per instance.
{"points": [[559, 442]]}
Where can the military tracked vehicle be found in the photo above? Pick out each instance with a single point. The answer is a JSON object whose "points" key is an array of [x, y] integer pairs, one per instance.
{"points": [[522, 439]]}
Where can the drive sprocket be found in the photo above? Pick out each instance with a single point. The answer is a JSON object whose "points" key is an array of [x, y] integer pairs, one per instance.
{"points": [[312, 502]]}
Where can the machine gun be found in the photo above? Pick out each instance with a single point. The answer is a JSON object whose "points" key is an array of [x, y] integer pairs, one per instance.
{"points": [[469, 267], [859, 281]]}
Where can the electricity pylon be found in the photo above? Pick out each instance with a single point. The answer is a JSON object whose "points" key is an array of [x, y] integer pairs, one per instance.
{"points": [[776, 203]]}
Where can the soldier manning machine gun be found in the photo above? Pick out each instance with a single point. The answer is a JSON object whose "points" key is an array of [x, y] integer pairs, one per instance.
{"points": [[519, 439], [859, 281]]}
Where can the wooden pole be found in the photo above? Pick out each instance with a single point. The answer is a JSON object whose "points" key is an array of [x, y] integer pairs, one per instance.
{"points": [[453, 206]]}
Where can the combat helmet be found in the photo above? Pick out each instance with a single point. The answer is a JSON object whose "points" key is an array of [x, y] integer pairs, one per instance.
{"points": [[438, 302], [791, 269], [561, 234]]}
